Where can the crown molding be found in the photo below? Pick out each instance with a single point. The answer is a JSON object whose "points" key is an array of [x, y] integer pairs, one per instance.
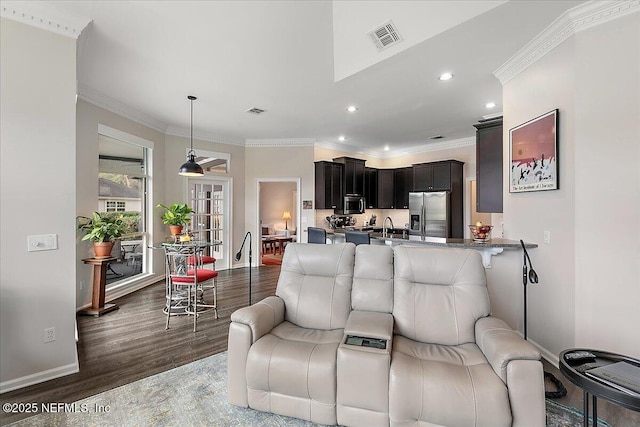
{"points": [[427, 147], [431, 146], [99, 99], [44, 16], [574, 20], [346, 148], [280, 142], [202, 136]]}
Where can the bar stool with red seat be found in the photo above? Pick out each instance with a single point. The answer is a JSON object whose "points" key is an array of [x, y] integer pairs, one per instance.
{"points": [[188, 283]]}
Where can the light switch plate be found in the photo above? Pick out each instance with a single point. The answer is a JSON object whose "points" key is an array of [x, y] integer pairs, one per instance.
{"points": [[42, 242]]}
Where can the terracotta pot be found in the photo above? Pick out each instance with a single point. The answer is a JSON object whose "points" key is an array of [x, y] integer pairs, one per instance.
{"points": [[175, 229], [102, 250]]}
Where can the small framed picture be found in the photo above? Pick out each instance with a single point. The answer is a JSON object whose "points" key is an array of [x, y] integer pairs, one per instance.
{"points": [[307, 204], [533, 154]]}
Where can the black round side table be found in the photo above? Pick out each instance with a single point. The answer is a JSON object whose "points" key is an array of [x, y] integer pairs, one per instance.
{"points": [[575, 372]]}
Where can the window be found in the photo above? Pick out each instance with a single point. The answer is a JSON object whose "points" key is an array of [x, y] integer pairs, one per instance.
{"points": [[122, 191], [116, 206]]}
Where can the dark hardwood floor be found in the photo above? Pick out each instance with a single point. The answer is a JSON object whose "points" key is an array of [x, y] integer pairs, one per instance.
{"points": [[131, 343]]}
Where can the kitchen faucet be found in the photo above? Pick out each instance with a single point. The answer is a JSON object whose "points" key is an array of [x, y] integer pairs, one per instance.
{"points": [[384, 226]]}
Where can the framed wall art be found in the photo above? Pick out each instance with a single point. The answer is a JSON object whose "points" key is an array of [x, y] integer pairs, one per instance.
{"points": [[533, 154]]}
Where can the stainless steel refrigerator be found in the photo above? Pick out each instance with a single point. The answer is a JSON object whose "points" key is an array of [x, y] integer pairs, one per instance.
{"points": [[430, 214]]}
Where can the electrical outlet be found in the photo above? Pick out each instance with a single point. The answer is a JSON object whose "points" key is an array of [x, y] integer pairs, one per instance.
{"points": [[81, 284], [547, 237], [49, 334]]}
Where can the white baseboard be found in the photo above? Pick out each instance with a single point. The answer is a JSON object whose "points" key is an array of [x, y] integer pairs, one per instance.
{"points": [[546, 354], [39, 377]]}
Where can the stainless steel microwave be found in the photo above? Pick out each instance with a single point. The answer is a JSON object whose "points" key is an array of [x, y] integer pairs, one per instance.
{"points": [[352, 205]]}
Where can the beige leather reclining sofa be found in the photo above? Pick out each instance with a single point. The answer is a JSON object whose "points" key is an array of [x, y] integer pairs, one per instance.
{"points": [[375, 336]]}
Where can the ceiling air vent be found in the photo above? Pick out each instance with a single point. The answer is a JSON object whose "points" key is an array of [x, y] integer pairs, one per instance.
{"points": [[255, 110], [385, 35]]}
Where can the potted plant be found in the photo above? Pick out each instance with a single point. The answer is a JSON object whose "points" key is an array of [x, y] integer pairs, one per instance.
{"points": [[103, 230], [176, 216]]}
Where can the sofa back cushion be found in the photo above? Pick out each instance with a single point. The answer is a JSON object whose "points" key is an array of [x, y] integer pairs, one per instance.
{"points": [[315, 283], [438, 294], [373, 279]]}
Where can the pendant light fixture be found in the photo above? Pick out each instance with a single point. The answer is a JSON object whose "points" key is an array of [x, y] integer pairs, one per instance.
{"points": [[191, 168]]}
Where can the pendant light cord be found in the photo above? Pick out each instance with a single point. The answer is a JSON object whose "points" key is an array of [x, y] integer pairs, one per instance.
{"points": [[191, 98]]}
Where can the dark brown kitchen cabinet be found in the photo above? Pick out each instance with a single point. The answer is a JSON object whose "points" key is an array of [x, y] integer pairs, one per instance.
{"points": [[385, 189], [402, 183], [353, 179], [371, 188], [446, 175], [435, 176], [489, 165], [329, 185]]}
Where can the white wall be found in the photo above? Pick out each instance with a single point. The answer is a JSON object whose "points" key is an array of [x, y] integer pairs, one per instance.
{"points": [[607, 151], [589, 290], [551, 318], [38, 181]]}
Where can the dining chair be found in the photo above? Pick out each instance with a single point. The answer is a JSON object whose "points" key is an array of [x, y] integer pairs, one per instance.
{"points": [[188, 282], [357, 237], [317, 235]]}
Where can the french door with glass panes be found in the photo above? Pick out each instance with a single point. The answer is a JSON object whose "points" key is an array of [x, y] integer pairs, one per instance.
{"points": [[209, 199]]}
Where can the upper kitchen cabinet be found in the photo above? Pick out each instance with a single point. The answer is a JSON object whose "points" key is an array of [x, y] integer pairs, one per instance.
{"points": [[385, 189], [402, 183], [436, 176], [328, 185], [371, 188], [353, 180], [489, 165]]}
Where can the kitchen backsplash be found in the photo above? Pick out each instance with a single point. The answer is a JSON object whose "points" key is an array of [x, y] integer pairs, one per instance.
{"points": [[400, 217]]}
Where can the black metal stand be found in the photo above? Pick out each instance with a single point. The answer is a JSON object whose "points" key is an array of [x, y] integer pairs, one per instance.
{"points": [[239, 254], [529, 274]]}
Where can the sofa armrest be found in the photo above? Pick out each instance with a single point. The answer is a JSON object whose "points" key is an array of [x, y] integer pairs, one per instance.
{"points": [[501, 345], [370, 324], [260, 317]]}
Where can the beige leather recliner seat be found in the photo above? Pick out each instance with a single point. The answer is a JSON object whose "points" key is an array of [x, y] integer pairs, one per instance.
{"points": [[282, 350], [452, 364]]}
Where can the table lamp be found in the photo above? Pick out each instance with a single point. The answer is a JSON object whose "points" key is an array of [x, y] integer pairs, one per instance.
{"points": [[286, 216]]}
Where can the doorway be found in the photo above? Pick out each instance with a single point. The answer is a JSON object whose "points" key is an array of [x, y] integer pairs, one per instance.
{"points": [[210, 199], [278, 216]]}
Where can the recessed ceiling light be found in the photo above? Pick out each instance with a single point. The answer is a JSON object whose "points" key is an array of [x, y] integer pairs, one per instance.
{"points": [[446, 76], [352, 108], [342, 138], [491, 105], [386, 148]]}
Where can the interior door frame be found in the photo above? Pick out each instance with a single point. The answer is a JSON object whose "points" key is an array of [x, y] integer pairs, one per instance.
{"points": [[227, 226], [258, 229]]}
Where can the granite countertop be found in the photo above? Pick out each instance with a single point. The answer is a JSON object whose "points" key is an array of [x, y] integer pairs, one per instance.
{"points": [[397, 239], [342, 230], [453, 243]]}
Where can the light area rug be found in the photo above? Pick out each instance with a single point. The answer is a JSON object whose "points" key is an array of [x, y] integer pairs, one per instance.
{"points": [[196, 395]]}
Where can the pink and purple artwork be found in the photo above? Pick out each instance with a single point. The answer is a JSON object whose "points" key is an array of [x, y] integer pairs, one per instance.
{"points": [[533, 153]]}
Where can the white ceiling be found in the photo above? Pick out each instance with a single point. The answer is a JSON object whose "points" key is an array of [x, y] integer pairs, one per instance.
{"points": [[281, 56]]}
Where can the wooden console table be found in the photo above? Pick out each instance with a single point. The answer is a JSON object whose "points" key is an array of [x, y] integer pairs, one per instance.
{"points": [[98, 306]]}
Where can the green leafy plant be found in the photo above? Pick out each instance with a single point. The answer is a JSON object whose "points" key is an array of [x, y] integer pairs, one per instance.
{"points": [[102, 227], [176, 214]]}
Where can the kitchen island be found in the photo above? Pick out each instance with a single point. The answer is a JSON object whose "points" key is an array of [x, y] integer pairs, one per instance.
{"points": [[401, 237]]}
